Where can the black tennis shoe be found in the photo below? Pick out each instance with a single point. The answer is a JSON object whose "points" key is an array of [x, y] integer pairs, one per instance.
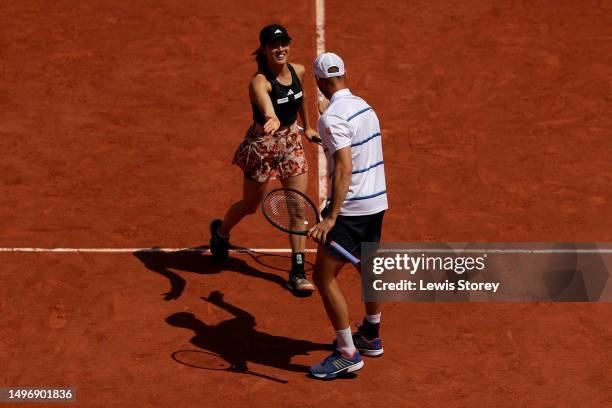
{"points": [[219, 246], [298, 283]]}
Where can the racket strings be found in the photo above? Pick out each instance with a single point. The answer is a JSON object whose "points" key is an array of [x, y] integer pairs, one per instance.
{"points": [[290, 211]]}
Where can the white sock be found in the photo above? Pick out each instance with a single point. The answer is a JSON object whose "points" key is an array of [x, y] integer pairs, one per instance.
{"points": [[374, 319], [344, 338]]}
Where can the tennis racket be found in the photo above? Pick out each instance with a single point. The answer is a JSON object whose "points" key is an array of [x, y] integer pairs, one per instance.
{"points": [[291, 211]]}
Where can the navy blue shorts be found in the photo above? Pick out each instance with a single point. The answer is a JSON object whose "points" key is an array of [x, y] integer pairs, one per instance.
{"points": [[351, 231]]}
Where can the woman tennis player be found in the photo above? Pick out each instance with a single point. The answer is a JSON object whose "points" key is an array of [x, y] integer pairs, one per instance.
{"points": [[272, 147]]}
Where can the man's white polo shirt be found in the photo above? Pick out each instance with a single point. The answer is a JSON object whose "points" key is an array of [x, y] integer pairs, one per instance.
{"points": [[350, 121]]}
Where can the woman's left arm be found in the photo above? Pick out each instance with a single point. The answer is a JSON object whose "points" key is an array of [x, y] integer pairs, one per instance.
{"points": [[309, 132]]}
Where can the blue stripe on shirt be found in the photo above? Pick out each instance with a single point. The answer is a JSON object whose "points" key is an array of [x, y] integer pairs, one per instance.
{"points": [[368, 168], [366, 197], [353, 116], [366, 140]]}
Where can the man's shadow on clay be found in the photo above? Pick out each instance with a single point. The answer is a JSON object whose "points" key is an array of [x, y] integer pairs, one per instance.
{"points": [[194, 260], [238, 342]]}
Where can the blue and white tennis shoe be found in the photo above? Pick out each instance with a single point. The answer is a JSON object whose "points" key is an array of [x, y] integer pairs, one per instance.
{"points": [[337, 364]]}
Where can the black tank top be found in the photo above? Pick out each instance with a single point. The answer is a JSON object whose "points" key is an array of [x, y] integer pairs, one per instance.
{"points": [[286, 99]]}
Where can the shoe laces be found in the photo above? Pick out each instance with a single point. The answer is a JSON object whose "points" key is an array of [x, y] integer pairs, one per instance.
{"points": [[332, 357], [297, 275]]}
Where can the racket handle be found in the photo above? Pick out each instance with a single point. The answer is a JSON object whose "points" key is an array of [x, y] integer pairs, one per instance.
{"points": [[315, 139], [345, 254]]}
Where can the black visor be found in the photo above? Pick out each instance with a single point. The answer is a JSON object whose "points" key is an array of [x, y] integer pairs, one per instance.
{"points": [[272, 33]]}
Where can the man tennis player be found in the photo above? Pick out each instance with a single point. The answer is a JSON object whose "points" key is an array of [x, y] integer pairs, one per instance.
{"points": [[356, 205]]}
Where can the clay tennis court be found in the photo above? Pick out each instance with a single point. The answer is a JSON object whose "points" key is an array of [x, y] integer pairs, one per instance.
{"points": [[118, 124]]}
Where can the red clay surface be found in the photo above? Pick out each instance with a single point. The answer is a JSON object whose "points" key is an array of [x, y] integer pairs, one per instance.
{"points": [[118, 123]]}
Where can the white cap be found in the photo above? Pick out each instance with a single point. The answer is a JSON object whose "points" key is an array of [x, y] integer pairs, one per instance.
{"points": [[325, 62]]}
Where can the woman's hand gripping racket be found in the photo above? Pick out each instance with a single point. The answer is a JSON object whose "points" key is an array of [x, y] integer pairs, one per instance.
{"points": [[318, 141], [291, 211], [314, 139]]}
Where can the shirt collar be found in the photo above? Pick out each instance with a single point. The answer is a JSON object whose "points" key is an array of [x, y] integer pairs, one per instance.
{"points": [[340, 94]]}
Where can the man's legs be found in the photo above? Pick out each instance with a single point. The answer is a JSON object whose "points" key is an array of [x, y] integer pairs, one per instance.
{"points": [[346, 358], [372, 308], [326, 269], [367, 339]]}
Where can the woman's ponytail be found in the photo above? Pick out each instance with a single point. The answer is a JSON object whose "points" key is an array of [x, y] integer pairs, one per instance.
{"points": [[262, 62]]}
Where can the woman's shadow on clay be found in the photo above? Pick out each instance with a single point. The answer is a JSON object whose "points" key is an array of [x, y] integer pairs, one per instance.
{"points": [[238, 342], [195, 260]]}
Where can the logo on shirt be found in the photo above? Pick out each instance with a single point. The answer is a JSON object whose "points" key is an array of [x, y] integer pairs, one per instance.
{"points": [[290, 92]]}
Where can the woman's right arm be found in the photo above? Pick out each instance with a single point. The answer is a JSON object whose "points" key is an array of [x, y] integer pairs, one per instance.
{"points": [[258, 92]]}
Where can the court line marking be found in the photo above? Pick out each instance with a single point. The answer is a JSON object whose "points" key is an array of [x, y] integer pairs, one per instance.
{"points": [[149, 249], [321, 160], [496, 251], [312, 250]]}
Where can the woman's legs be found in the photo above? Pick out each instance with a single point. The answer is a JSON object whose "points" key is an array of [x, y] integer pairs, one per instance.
{"points": [[297, 277], [299, 183], [252, 194]]}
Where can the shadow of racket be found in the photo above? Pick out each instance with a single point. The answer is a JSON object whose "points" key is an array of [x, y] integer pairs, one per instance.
{"points": [[206, 360], [266, 260]]}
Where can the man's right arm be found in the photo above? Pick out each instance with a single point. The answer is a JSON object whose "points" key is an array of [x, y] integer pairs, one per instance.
{"points": [[338, 135], [343, 171]]}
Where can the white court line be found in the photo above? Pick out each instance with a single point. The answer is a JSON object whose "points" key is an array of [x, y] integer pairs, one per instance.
{"points": [[321, 160], [496, 251], [311, 250], [129, 250]]}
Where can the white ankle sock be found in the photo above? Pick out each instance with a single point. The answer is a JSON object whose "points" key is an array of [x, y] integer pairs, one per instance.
{"points": [[374, 319], [344, 338]]}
